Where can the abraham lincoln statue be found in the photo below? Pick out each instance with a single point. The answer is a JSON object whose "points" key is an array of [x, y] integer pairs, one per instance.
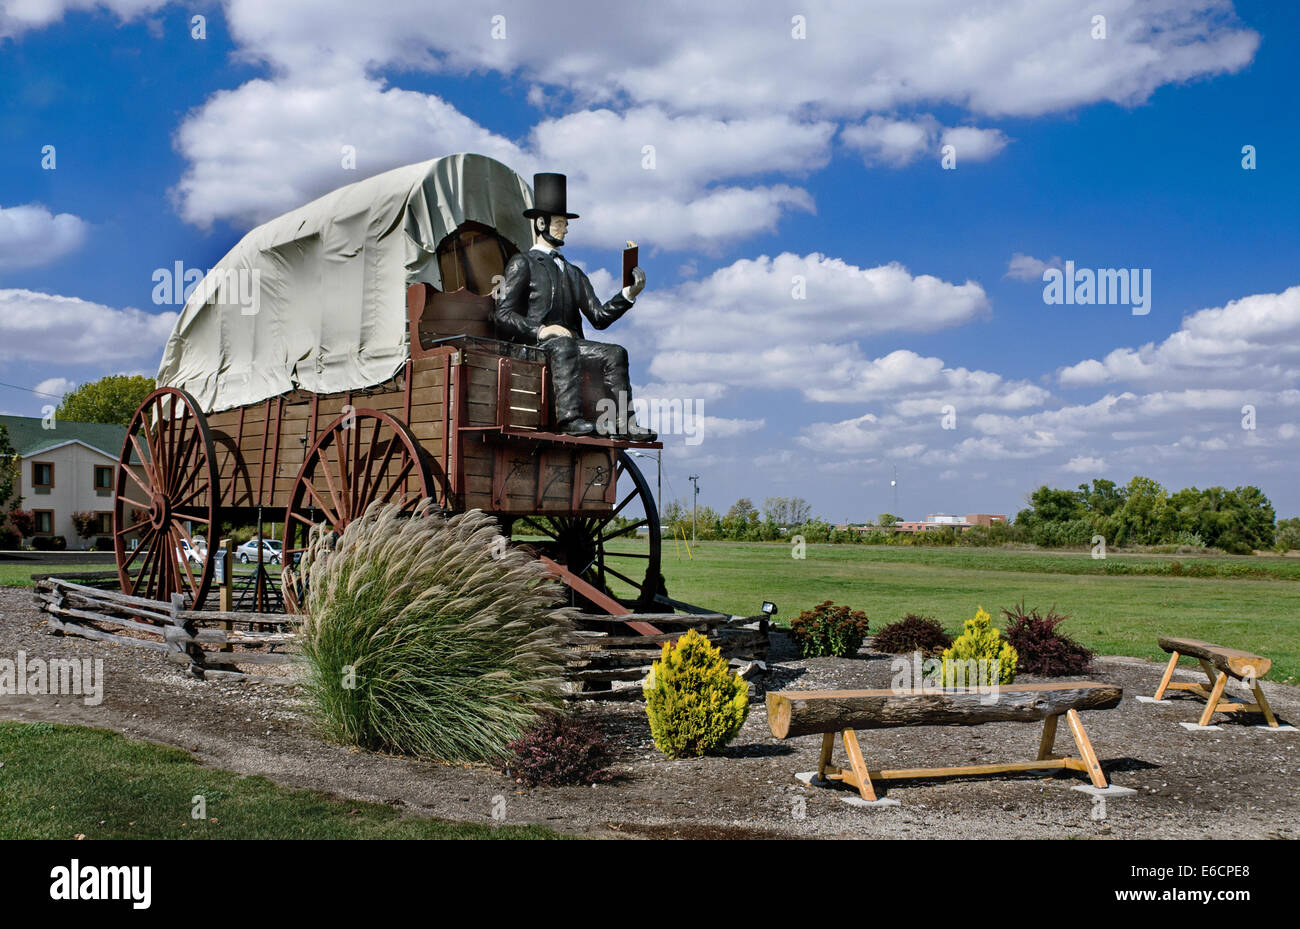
{"points": [[542, 301]]}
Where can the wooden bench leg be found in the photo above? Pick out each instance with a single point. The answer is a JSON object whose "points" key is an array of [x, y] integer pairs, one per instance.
{"points": [[1215, 694], [1086, 752], [859, 766], [1169, 676], [1048, 740], [828, 746], [1263, 705]]}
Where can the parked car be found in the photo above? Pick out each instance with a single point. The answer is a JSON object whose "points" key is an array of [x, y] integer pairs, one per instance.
{"points": [[270, 551], [197, 552]]}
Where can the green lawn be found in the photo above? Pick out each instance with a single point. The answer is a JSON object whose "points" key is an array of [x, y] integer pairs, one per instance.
{"points": [[1111, 612], [61, 781], [1118, 605], [19, 573]]}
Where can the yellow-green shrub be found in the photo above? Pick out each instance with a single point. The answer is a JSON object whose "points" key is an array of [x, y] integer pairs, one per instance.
{"points": [[980, 640], [695, 703]]}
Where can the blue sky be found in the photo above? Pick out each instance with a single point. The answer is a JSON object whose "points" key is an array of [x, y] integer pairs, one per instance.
{"points": [[776, 157]]}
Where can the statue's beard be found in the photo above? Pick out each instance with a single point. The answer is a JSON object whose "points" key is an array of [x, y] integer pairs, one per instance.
{"points": [[551, 240]]}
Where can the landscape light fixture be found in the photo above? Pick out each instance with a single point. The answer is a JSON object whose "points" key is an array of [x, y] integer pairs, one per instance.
{"points": [[769, 607]]}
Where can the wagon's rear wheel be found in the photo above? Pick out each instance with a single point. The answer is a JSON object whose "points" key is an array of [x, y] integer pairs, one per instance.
{"points": [[602, 549], [167, 493], [360, 458]]}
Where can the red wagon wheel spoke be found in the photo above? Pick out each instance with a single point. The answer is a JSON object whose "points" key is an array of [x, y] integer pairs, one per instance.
{"points": [[169, 457], [356, 474]]}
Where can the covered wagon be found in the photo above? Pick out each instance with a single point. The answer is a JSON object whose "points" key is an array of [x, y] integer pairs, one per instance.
{"points": [[344, 353]]}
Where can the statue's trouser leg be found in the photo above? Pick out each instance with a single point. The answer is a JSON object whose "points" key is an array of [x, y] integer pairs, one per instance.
{"points": [[613, 366], [565, 362]]}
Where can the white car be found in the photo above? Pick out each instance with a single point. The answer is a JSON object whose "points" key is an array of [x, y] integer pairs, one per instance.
{"points": [[196, 552], [270, 551]]}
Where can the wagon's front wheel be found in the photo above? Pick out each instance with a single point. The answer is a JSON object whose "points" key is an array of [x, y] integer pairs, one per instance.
{"points": [[167, 493], [362, 457]]}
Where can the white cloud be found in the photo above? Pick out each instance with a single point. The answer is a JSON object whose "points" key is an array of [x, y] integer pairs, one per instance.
{"points": [[1081, 464], [973, 144], [54, 386], [1024, 267], [899, 142], [49, 328], [299, 130], [894, 142], [1251, 341], [796, 300], [31, 235], [793, 322], [19, 16], [1023, 58], [286, 144]]}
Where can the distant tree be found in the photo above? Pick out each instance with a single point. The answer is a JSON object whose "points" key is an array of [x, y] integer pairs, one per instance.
{"points": [[1239, 520], [800, 510], [111, 399], [741, 521], [777, 510], [1146, 517], [1287, 536], [1103, 498], [8, 474], [1053, 505], [743, 509], [887, 519]]}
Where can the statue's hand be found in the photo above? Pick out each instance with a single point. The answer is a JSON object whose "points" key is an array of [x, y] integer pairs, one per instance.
{"points": [[638, 282], [552, 332]]}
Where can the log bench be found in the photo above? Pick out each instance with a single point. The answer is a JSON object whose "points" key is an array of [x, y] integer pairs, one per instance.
{"points": [[1219, 664], [796, 713]]}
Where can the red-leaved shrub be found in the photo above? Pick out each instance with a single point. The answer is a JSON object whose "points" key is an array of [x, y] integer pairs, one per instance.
{"points": [[559, 751], [910, 634], [1042, 649]]}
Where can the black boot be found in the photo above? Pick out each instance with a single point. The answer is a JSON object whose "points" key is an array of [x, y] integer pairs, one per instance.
{"points": [[635, 432], [577, 426]]}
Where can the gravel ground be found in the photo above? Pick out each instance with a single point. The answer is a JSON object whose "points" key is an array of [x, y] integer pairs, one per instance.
{"points": [[1241, 782]]}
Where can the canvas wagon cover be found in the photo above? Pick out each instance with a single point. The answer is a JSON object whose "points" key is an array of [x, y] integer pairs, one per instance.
{"points": [[326, 310]]}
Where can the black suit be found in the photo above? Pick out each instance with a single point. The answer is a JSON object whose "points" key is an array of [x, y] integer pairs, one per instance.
{"points": [[535, 293]]}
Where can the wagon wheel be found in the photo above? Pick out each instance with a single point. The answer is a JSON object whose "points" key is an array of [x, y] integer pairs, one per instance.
{"points": [[167, 477], [361, 457], [583, 543]]}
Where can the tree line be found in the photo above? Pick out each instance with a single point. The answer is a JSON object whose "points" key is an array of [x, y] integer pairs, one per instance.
{"points": [[1139, 513]]}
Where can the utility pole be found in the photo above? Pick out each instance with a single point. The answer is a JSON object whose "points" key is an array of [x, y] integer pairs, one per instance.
{"points": [[694, 479]]}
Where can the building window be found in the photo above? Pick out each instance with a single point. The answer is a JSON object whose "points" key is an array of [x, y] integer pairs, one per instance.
{"points": [[43, 474], [103, 523], [103, 477], [44, 521]]}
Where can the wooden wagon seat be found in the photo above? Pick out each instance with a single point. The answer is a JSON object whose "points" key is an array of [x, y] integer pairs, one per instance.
{"points": [[471, 260]]}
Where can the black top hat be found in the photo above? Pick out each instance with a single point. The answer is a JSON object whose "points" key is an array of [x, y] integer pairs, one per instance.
{"points": [[549, 197]]}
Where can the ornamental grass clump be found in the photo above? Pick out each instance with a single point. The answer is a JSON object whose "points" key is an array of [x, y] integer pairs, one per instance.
{"points": [[695, 703], [828, 629], [979, 657], [426, 636]]}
